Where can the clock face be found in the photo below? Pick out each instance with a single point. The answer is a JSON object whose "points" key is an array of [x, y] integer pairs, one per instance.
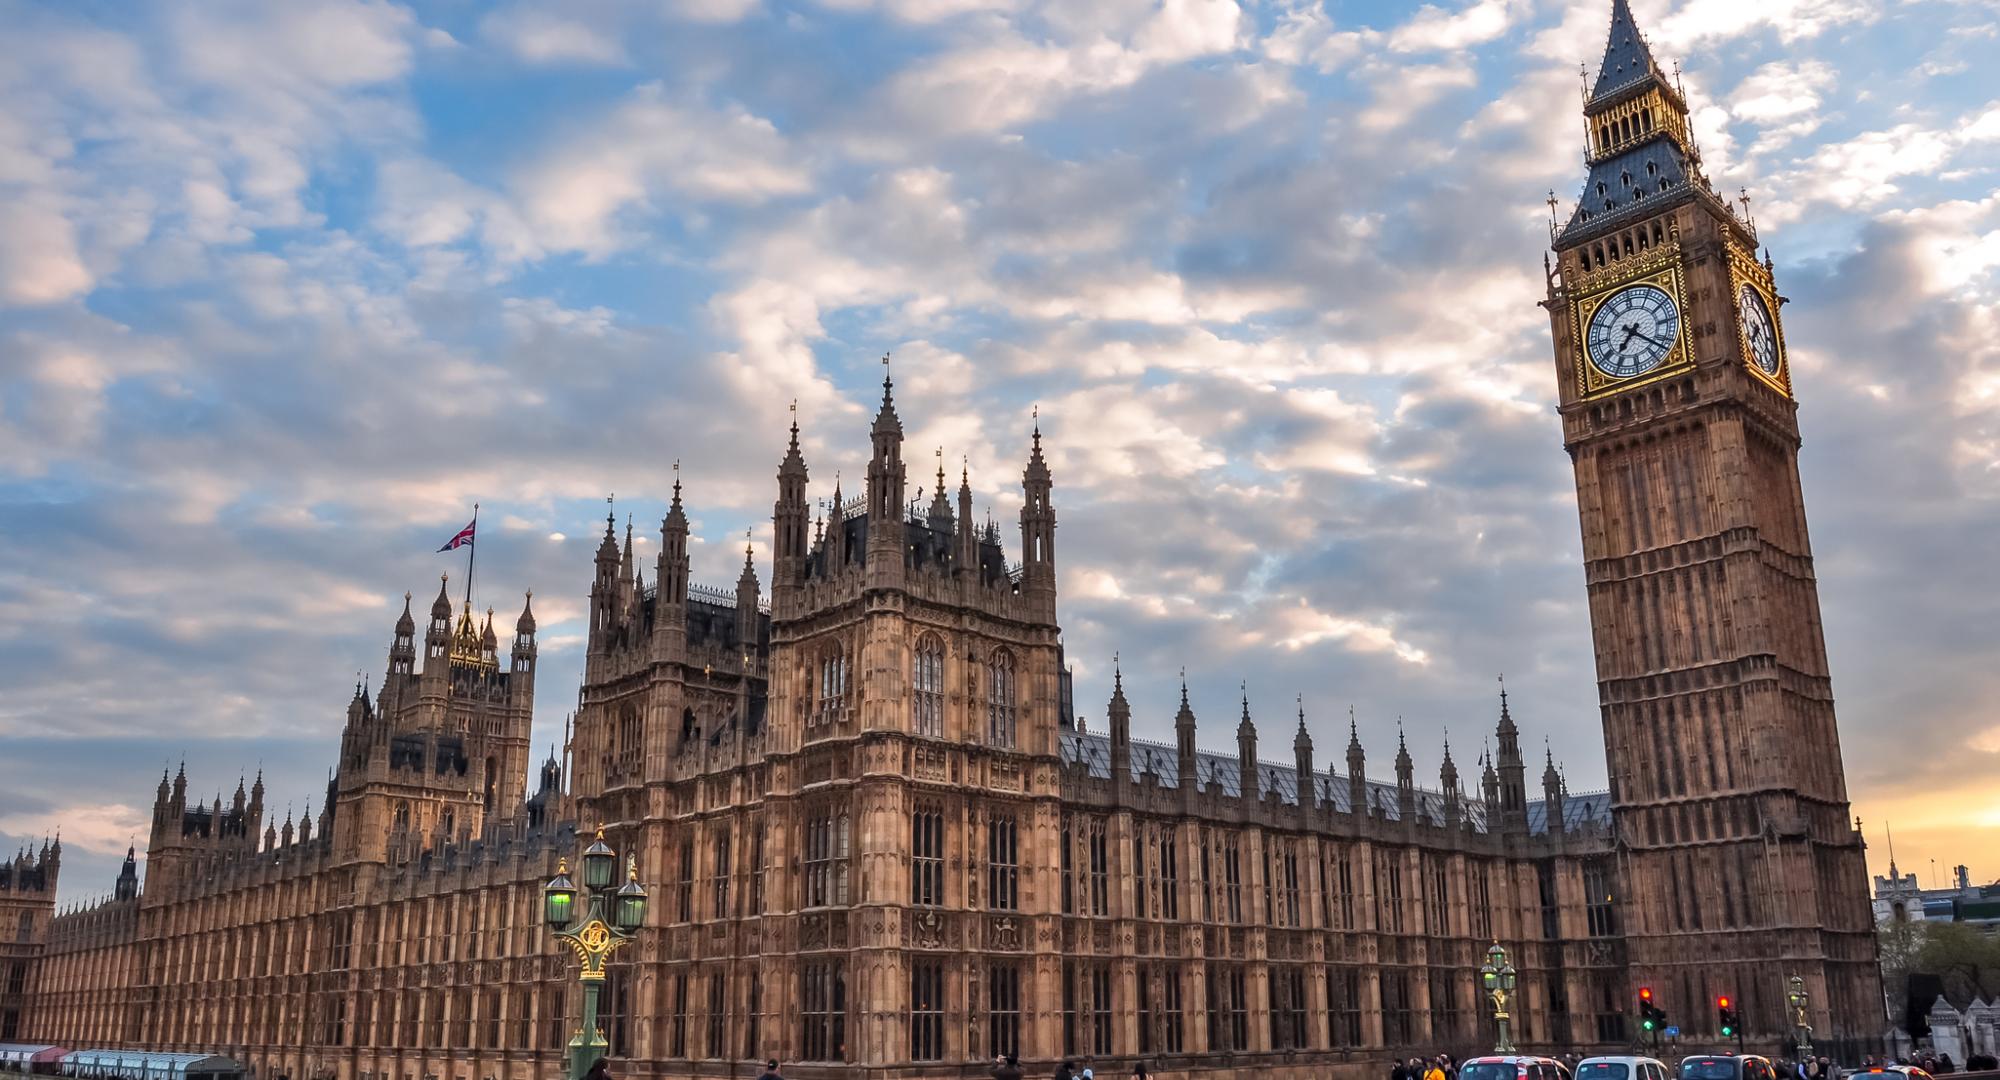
{"points": [[1632, 332], [1758, 330]]}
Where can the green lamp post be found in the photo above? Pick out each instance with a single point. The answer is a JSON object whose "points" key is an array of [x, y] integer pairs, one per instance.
{"points": [[593, 933], [1499, 978], [1796, 996]]}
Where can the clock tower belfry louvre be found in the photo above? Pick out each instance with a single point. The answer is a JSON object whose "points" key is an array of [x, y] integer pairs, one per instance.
{"points": [[1740, 863]]}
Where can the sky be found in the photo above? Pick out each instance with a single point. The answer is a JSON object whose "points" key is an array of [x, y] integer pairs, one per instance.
{"points": [[286, 288]]}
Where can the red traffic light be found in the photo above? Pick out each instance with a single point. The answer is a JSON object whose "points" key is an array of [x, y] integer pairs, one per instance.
{"points": [[1722, 1002], [1645, 993]]}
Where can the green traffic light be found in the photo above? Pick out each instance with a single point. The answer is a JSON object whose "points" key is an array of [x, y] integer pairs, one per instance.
{"points": [[1649, 1025]]}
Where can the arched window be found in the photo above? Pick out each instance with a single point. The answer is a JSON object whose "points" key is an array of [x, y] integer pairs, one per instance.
{"points": [[1000, 708], [402, 815], [927, 679], [826, 860], [832, 687]]}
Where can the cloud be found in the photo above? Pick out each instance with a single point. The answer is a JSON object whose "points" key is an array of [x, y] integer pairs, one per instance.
{"points": [[39, 260], [542, 37], [287, 288], [575, 193], [1435, 29]]}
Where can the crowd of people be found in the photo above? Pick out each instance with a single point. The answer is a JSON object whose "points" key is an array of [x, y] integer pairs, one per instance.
{"points": [[1445, 1067]]}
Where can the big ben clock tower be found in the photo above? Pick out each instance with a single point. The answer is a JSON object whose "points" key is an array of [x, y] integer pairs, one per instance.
{"points": [[1741, 866]]}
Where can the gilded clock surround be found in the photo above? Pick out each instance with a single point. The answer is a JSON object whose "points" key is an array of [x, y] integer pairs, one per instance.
{"points": [[1658, 267], [1746, 272]]}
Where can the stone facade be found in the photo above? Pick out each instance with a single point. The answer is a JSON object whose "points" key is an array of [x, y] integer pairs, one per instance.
{"points": [[878, 842], [27, 904]]}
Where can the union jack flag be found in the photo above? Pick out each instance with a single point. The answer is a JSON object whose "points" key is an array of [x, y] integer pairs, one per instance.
{"points": [[462, 538]]}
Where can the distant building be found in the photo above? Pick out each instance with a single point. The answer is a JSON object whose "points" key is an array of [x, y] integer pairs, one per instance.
{"points": [[1899, 899], [27, 902]]}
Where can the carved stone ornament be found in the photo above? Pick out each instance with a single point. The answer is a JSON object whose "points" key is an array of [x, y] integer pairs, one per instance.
{"points": [[812, 932], [1004, 932], [927, 929]]}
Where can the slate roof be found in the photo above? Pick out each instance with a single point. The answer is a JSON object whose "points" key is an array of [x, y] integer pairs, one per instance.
{"points": [[1093, 751], [1627, 60], [1629, 183]]}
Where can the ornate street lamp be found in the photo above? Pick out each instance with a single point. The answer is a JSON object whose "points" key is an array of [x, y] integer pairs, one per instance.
{"points": [[1499, 978], [1795, 994], [594, 936]]}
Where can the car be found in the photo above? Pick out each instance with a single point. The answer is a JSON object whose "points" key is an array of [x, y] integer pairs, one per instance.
{"points": [[1513, 1067], [1617, 1067], [1727, 1067], [1908, 1072]]}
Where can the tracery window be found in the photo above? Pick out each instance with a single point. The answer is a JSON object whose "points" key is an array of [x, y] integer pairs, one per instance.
{"points": [[1232, 878], [823, 1013], [677, 1042], [1395, 1007], [1001, 713], [826, 861], [1160, 1023], [1003, 869], [757, 874], [927, 856], [1481, 901], [684, 888], [1098, 848], [1287, 912], [1100, 1008], [1166, 868], [1003, 1016], [1344, 988], [628, 748], [1288, 1008], [832, 690], [1600, 902], [1389, 895], [1438, 894], [1228, 1008], [718, 996], [927, 1010], [927, 681], [721, 874]]}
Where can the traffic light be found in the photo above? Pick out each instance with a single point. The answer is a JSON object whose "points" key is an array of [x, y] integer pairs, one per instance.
{"points": [[1647, 1013], [1725, 1016]]}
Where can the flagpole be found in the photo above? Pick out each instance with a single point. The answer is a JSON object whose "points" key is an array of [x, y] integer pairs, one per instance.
{"points": [[471, 551]]}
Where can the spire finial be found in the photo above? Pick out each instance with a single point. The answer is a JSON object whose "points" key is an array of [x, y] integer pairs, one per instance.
{"points": [[1184, 699], [1117, 673], [940, 463], [795, 418], [610, 514], [677, 482]]}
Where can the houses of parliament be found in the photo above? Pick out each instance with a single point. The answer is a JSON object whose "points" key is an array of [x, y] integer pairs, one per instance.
{"points": [[879, 844]]}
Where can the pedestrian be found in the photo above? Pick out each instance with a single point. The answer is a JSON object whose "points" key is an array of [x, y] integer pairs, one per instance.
{"points": [[1139, 1071], [771, 1071], [599, 1070], [1066, 1071], [1434, 1071]]}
